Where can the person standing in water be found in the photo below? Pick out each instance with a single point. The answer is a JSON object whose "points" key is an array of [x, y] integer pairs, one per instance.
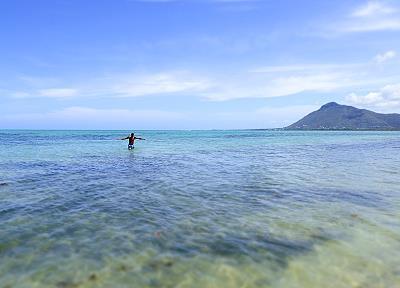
{"points": [[132, 139]]}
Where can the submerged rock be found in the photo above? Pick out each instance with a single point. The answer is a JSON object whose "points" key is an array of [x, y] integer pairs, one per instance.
{"points": [[157, 264], [122, 268], [67, 284]]}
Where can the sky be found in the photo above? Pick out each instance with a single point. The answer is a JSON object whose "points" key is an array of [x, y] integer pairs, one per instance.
{"points": [[193, 64]]}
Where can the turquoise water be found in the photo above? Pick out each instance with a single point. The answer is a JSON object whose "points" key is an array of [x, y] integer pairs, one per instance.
{"points": [[200, 209]]}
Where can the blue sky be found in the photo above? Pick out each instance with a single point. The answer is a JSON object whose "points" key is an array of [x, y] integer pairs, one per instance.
{"points": [[205, 64]]}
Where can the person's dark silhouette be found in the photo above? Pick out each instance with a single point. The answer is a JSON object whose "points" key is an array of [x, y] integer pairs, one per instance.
{"points": [[132, 139]]}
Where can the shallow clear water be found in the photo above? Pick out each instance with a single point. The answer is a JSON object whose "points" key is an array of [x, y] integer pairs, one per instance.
{"points": [[200, 209]]}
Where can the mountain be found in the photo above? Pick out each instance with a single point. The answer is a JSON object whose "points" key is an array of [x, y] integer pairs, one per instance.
{"points": [[333, 116]]}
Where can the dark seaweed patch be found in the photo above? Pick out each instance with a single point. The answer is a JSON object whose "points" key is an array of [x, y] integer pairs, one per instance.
{"points": [[257, 247]]}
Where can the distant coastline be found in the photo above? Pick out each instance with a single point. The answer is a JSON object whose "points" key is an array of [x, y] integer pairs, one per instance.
{"points": [[343, 129], [335, 117]]}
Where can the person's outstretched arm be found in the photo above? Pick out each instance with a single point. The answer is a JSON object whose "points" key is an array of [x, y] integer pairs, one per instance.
{"points": [[139, 138], [126, 138]]}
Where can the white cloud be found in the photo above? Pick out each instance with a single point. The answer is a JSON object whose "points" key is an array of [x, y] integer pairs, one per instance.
{"points": [[58, 92], [262, 82], [371, 17], [386, 97], [278, 81], [45, 93], [383, 57], [257, 82], [123, 85], [159, 83], [373, 8], [277, 87], [304, 67]]}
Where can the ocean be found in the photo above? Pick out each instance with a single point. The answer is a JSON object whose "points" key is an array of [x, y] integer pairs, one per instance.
{"points": [[241, 208]]}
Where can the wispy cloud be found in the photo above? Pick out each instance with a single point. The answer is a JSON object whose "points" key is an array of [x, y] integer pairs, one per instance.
{"points": [[58, 92], [373, 9], [257, 82], [268, 87], [383, 57], [305, 67], [371, 17], [121, 85], [46, 93], [279, 81], [285, 80], [156, 84]]}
